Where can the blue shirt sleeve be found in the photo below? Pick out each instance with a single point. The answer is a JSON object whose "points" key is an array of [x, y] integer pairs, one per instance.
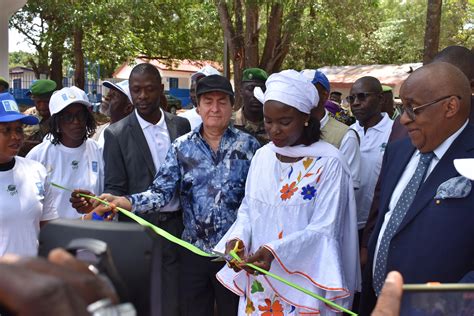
{"points": [[161, 191]]}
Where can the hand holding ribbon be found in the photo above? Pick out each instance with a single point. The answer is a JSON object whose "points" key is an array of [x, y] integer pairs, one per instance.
{"points": [[262, 258], [238, 247], [113, 205], [82, 204]]}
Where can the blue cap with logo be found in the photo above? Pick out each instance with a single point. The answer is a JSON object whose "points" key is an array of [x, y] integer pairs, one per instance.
{"points": [[9, 111], [317, 76]]}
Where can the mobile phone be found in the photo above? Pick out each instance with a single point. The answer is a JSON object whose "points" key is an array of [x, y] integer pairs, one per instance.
{"points": [[436, 299]]}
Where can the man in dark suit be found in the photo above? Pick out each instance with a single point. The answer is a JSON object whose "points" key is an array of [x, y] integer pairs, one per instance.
{"points": [[424, 228], [458, 56], [134, 149]]}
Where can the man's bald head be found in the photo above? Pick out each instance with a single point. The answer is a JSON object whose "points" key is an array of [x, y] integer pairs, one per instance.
{"points": [[441, 79], [369, 83], [440, 96], [458, 56]]}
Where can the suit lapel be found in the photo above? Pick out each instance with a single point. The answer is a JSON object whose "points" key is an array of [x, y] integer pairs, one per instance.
{"points": [[171, 125], [443, 171], [404, 153], [141, 144]]}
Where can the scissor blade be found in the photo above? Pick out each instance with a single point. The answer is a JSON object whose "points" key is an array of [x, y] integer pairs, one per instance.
{"points": [[220, 256]]}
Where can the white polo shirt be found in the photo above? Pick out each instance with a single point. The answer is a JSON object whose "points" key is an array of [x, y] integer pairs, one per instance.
{"points": [[372, 148], [350, 150], [159, 142]]}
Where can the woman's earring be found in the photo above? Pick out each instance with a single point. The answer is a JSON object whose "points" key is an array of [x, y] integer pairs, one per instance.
{"points": [[306, 124]]}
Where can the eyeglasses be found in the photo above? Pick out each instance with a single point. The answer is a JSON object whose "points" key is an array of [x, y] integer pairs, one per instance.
{"points": [[69, 118], [411, 111], [359, 96]]}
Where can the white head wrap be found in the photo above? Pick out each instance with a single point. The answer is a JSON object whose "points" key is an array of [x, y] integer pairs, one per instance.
{"points": [[289, 87]]}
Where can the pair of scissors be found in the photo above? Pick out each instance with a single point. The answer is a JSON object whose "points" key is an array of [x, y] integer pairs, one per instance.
{"points": [[227, 257]]}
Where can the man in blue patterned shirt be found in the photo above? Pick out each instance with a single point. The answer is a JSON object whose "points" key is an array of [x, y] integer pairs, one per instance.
{"points": [[207, 168]]}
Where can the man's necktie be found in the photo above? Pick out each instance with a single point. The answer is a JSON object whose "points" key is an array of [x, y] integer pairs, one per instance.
{"points": [[399, 212]]}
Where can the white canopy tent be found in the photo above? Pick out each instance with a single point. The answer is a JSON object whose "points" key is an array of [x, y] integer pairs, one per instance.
{"points": [[7, 8]]}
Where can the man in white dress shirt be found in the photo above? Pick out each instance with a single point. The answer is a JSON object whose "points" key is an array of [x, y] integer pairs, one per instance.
{"points": [[135, 147]]}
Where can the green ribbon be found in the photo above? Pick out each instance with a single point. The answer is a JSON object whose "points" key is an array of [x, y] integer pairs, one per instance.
{"points": [[163, 233], [196, 250], [293, 285]]}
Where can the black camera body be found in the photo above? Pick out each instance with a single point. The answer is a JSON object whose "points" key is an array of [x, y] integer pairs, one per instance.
{"points": [[131, 258]]}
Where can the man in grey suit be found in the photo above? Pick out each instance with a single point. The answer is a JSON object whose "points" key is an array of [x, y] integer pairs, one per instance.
{"points": [[135, 147]]}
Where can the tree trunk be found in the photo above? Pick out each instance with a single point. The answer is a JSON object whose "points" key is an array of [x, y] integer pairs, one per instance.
{"points": [[251, 35], [57, 52], [56, 73], [432, 30], [79, 75], [234, 36], [273, 37], [244, 43]]}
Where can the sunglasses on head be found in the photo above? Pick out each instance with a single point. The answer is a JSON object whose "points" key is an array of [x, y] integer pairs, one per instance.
{"points": [[359, 96]]}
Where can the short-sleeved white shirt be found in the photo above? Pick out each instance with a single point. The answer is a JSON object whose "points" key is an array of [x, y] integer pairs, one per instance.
{"points": [[26, 200], [74, 168], [372, 148]]}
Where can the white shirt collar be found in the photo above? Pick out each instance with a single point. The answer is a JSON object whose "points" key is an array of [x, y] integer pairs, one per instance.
{"points": [[325, 119], [443, 148], [144, 124], [380, 126]]}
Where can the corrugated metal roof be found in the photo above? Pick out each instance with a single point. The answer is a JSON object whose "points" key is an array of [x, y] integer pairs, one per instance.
{"points": [[392, 75]]}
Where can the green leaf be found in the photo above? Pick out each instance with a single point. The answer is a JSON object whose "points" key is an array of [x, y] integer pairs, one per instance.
{"points": [[256, 287]]}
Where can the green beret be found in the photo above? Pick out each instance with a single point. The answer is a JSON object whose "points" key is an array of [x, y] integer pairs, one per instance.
{"points": [[254, 74], [42, 87], [386, 88], [4, 82]]}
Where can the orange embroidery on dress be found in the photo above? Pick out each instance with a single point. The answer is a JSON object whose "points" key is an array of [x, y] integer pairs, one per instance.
{"points": [[288, 190], [280, 235], [272, 309]]}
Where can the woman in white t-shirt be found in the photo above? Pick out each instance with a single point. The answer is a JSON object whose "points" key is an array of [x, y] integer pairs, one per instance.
{"points": [[26, 202], [71, 158]]}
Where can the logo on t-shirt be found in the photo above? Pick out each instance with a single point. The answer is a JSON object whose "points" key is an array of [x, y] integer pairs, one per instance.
{"points": [[94, 166], [40, 187], [12, 189], [75, 164]]}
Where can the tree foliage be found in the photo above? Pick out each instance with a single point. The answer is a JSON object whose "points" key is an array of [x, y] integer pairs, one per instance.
{"points": [[381, 32], [271, 34]]}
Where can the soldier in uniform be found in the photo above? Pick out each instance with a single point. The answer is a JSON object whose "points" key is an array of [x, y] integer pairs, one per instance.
{"points": [[40, 92], [250, 117]]}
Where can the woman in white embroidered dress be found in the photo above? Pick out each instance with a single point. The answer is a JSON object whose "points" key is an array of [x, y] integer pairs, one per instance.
{"points": [[298, 217]]}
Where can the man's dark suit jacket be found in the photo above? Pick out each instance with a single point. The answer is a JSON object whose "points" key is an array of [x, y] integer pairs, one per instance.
{"points": [[435, 241], [129, 165]]}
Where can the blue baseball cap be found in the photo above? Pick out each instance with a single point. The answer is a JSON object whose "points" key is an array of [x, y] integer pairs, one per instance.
{"points": [[9, 111], [316, 76]]}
